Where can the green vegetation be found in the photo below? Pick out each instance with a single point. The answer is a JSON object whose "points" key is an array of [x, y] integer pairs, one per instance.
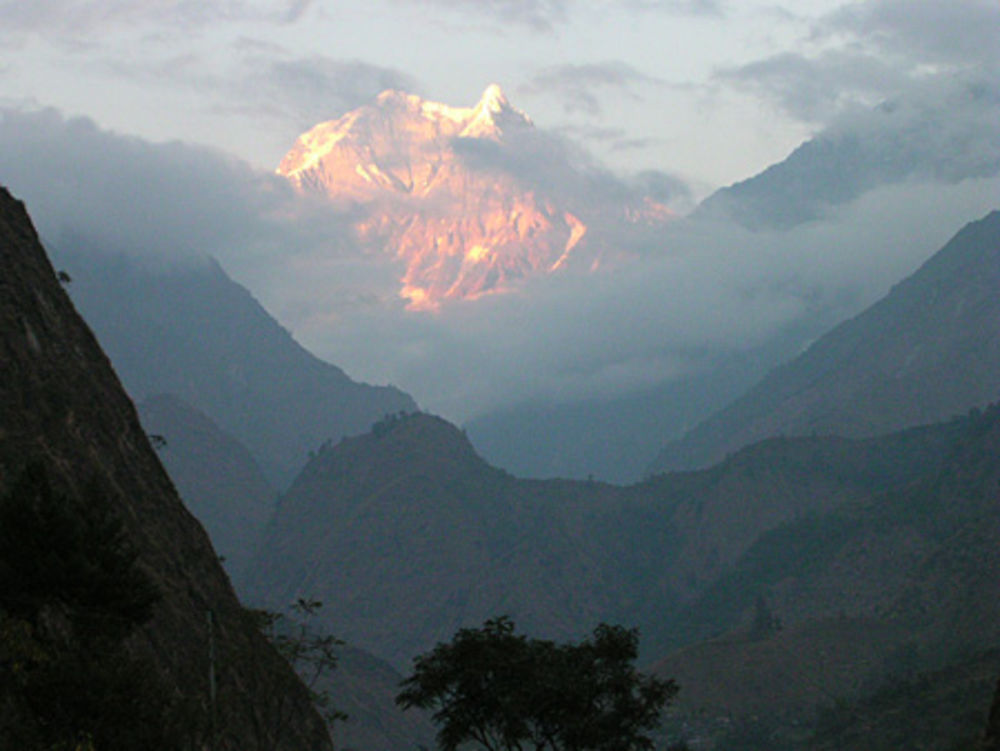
{"points": [[502, 691]]}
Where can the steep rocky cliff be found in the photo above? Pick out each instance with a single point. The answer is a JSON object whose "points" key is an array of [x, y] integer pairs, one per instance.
{"points": [[62, 408], [186, 328]]}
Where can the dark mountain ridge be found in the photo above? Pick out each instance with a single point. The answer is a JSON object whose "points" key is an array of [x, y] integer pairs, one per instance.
{"points": [[215, 474], [62, 408], [870, 151], [186, 328], [410, 535], [868, 595], [927, 351]]}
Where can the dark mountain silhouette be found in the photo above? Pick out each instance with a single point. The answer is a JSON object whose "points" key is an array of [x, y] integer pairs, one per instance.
{"points": [[63, 409], [408, 534], [215, 474], [897, 142], [187, 329], [869, 594], [221, 484], [927, 351]]}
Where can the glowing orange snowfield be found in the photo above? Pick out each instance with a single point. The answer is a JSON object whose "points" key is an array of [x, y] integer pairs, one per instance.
{"points": [[463, 226]]}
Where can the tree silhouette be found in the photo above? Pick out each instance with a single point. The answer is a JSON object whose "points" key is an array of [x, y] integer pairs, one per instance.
{"points": [[502, 691]]}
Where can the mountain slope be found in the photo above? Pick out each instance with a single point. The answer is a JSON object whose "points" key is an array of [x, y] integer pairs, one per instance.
{"points": [[942, 140], [188, 329], [407, 534], [215, 475], [929, 350], [470, 200], [877, 589], [61, 406]]}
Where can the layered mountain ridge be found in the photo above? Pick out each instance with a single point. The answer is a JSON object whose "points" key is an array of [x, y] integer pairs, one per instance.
{"points": [[63, 409], [189, 330], [443, 189], [925, 352]]}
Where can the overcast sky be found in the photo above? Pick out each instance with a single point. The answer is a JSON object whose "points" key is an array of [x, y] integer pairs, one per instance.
{"points": [[188, 106], [645, 84]]}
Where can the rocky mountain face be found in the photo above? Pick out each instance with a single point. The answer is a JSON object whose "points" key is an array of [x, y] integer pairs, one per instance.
{"points": [[452, 193], [187, 329], [220, 483], [927, 351], [63, 409]]}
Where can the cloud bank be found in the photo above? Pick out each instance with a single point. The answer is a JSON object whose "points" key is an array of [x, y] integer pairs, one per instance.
{"points": [[691, 292], [864, 53]]}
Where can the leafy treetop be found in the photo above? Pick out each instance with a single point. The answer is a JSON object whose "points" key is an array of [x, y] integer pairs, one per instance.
{"points": [[505, 692]]}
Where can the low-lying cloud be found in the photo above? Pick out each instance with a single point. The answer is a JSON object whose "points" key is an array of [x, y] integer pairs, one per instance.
{"points": [[694, 290]]}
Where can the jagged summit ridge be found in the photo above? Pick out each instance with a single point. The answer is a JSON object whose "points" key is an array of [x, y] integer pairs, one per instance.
{"points": [[358, 128], [444, 190], [462, 231]]}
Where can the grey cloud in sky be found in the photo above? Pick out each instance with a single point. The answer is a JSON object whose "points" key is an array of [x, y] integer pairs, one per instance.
{"points": [[83, 18], [556, 165], [546, 16], [172, 201], [266, 80], [816, 88], [628, 144], [691, 7], [613, 138], [931, 31], [126, 194], [538, 15], [874, 51], [576, 85], [694, 287], [314, 89]]}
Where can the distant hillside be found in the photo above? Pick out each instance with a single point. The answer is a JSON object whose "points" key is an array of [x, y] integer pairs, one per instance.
{"points": [[186, 328], [797, 572], [62, 409], [927, 351], [897, 142], [879, 589], [407, 534], [215, 475], [221, 484], [616, 439]]}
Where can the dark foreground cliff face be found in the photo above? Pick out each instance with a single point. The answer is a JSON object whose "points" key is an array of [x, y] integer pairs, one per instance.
{"points": [[63, 409]]}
